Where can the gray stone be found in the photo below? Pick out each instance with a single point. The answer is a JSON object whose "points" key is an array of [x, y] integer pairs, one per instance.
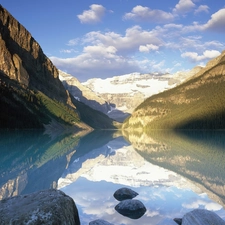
{"points": [[133, 209], [99, 222], [202, 217], [124, 193], [178, 221], [44, 207]]}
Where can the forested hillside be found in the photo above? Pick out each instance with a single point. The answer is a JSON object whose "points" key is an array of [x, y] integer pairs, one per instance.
{"points": [[198, 103]]}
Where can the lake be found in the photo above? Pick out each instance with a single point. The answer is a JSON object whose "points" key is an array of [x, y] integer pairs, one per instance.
{"points": [[173, 172]]}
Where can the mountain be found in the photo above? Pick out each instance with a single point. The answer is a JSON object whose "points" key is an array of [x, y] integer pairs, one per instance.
{"points": [[198, 103], [83, 93], [124, 93], [118, 96], [31, 94]]}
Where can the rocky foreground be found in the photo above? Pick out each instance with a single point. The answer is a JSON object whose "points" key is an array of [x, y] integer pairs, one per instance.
{"points": [[54, 207], [44, 207]]}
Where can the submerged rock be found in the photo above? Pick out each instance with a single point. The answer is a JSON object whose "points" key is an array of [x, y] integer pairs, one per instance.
{"points": [[99, 222], [133, 209], [124, 193], [200, 217], [43, 207]]}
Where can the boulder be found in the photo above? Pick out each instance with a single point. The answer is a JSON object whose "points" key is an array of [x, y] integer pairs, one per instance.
{"points": [[178, 221], [43, 207], [99, 222], [133, 209], [200, 217], [124, 193]]}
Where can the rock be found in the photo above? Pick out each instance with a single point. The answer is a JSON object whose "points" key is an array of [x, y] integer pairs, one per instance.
{"points": [[124, 193], [133, 209], [43, 207], [178, 221], [202, 217], [23, 60], [99, 222]]}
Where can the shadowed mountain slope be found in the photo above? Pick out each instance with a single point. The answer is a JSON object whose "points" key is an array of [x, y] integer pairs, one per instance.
{"points": [[31, 94]]}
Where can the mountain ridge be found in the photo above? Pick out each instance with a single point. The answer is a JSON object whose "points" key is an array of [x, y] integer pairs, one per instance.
{"points": [[31, 95], [197, 103], [118, 96]]}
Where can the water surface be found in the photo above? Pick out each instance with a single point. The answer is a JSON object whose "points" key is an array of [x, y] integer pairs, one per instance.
{"points": [[172, 172]]}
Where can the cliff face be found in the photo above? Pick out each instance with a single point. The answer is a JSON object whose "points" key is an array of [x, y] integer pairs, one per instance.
{"points": [[31, 94], [23, 60], [198, 103]]}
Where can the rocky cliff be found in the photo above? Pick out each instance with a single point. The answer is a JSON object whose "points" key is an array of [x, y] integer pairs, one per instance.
{"points": [[31, 94], [198, 103], [23, 60]]}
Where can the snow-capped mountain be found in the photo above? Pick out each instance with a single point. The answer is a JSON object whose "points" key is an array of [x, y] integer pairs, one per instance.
{"points": [[83, 93], [118, 96], [126, 92], [117, 162]]}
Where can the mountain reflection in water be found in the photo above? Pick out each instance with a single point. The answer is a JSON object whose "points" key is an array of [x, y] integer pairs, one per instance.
{"points": [[172, 172]]}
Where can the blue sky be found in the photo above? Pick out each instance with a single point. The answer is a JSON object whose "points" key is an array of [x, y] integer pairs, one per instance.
{"points": [[104, 38]]}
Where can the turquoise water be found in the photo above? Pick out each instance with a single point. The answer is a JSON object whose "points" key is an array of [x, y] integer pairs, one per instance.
{"points": [[173, 173]]}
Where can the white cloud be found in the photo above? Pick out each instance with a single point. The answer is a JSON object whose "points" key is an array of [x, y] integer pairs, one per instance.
{"points": [[90, 64], [130, 42], [73, 42], [106, 54], [109, 54], [140, 13], [202, 8], [93, 15], [183, 6], [217, 21], [212, 206], [216, 24], [195, 57], [148, 48], [99, 51], [173, 26], [67, 51]]}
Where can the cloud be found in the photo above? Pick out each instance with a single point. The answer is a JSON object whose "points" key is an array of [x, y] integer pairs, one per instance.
{"points": [[217, 22], [90, 64], [183, 6], [68, 51], [202, 8], [108, 53], [127, 43], [93, 15], [140, 13], [73, 42], [195, 57], [148, 48], [212, 206]]}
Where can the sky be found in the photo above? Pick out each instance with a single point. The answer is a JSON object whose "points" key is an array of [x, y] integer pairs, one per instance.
{"points": [[105, 38]]}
